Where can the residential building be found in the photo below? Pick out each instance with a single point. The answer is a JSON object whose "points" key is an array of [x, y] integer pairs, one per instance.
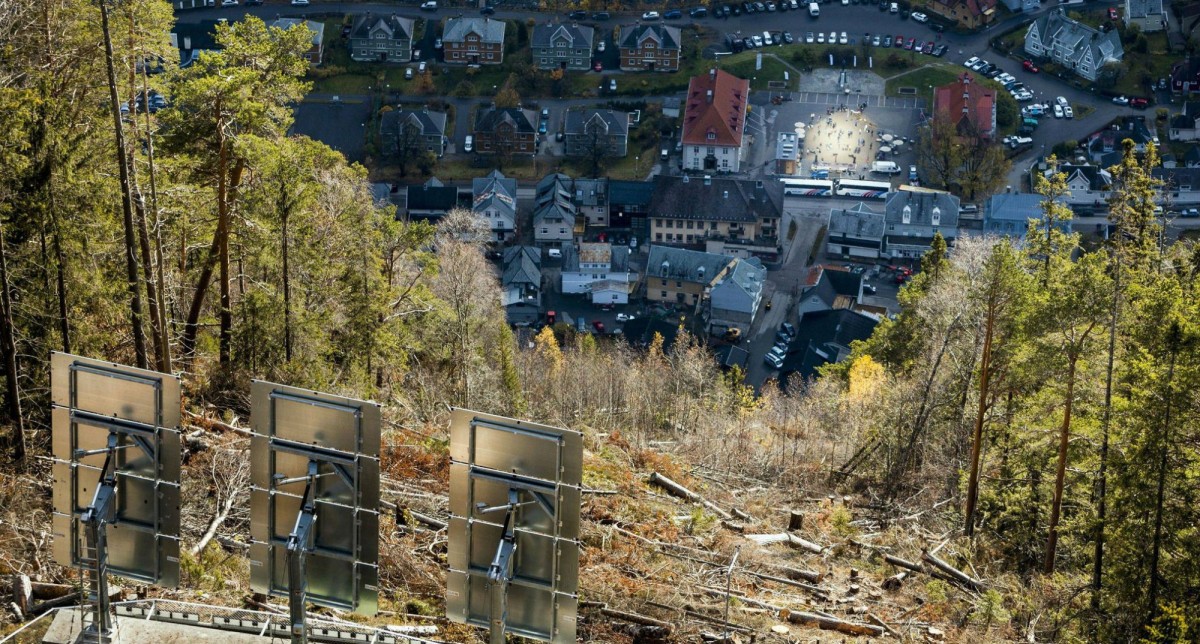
{"points": [[971, 14], [724, 216], [521, 284], [601, 270], [729, 356], [430, 200], [494, 198], [629, 204], [828, 287], [682, 277], [381, 38], [1180, 185], [473, 41], [1073, 45], [734, 301], [823, 337], [1185, 76], [912, 218], [671, 106], [971, 107], [855, 233], [1186, 125], [1109, 140], [596, 133], [650, 48], [591, 198], [1086, 184], [714, 121], [1146, 14], [554, 213], [562, 46], [316, 52], [506, 131], [1008, 214], [787, 153], [404, 133]]}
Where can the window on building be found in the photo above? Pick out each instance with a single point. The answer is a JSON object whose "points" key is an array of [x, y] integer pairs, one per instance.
{"points": [[659, 222], [664, 294], [545, 231], [670, 223], [664, 282], [689, 225], [689, 239], [657, 236], [678, 284]]}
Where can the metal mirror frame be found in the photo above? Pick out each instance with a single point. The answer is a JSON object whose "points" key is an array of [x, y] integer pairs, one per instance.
{"points": [[517, 572], [330, 443]]}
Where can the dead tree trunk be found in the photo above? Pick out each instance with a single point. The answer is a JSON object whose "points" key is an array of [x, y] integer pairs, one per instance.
{"points": [[1061, 471], [8, 346], [831, 623]]}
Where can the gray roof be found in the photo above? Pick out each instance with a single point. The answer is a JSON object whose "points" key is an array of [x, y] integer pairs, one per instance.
{"points": [[857, 221], [716, 199], [489, 30], [666, 36], [921, 206], [681, 264], [317, 28], [488, 118], [522, 266], [610, 121], [393, 27], [747, 276], [578, 36], [1145, 8], [1097, 178], [591, 192], [1009, 213], [495, 189], [430, 123], [622, 192], [1076, 37], [1175, 177], [786, 146]]}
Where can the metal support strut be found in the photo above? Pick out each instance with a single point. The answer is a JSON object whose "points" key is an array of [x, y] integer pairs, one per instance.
{"points": [[501, 570], [299, 544], [95, 519]]}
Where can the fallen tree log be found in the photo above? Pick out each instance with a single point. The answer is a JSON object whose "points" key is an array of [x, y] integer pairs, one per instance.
{"points": [[810, 576], [804, 544], [955, 574], [637, 619], [70, 599], [895, 581], [903, 563], [684, 493], [816, 590], [830, 623]]}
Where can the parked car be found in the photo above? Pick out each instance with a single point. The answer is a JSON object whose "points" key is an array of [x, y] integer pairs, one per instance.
{"points": [[651, 15], [810, 38], [1058, 111], [787, 38], [920, 17], [598, 66], [577, 15], [437, 43], [598, 325], [1068, 113], [911, 43], [429, 5], [698, 12], [612, 84], [487, 11], [408, 73], [1061, 101], [601, 15], [789, 329], [821, 38], [773, 360], [600, 47], [229, 3], [1030, 67], [1140, 103], [875, 40], [1121, 100], [673, 14], [940, 50], [928, 48], [843, 39], [625, 317]]}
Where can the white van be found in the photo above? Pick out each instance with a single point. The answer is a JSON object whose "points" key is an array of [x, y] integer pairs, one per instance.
{"points": [[469, 144], [814, 9], [885, 167]]}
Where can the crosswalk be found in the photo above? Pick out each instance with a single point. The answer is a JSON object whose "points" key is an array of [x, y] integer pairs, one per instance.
{"points": [[872, 100]]}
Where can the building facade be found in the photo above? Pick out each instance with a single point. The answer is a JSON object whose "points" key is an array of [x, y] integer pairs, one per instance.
{"points": [[413, 131], [473, 41], [695, 212], [714, 121], [590, 132], [683, 278], [494, 199], [381, 38], [650, 48], [505, 131], [1073, 45], [562, 46]]}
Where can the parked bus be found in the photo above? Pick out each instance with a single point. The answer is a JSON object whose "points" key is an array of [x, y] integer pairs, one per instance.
{"points": [[807, 187], [864, 189]]}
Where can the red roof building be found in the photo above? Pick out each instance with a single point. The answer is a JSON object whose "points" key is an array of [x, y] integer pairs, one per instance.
{"points": [[714, 121], [971, 14], [969, 106]]}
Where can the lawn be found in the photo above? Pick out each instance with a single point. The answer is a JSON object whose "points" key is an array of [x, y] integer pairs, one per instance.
{"points": [[924, 79]]}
